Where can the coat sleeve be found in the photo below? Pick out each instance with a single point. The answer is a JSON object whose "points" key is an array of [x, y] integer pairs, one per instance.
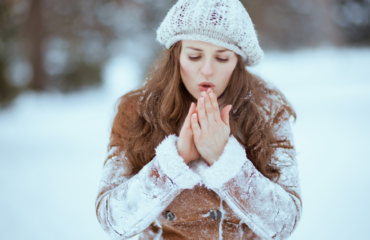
{"points": [[125, 206], [270, 209]]}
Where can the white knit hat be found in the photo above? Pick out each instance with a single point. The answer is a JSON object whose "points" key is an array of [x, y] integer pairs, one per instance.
{"points": [[224, 23]]}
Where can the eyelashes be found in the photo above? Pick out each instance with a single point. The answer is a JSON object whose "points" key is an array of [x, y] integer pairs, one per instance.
{"points": [[222, 60], [218, 59]]}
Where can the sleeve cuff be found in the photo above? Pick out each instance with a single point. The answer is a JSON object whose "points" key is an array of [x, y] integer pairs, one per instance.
{"points": [[226, 167], [173, 165]]}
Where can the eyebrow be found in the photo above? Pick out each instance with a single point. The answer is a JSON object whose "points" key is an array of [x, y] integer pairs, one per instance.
{"points": [[220, 51]]}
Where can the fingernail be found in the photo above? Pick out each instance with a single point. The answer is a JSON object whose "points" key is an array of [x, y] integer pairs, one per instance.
{"points": [[204, 94], [194, 115], [211, 95], [201, 100]]}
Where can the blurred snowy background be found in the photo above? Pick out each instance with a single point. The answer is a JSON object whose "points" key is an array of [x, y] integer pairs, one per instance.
{"points": [[64, 64]]}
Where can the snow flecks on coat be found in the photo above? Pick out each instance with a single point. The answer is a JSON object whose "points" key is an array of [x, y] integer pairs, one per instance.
{"points": [[125, 205], [271, 210], [252, 206], [221, 221], [271, 106]]}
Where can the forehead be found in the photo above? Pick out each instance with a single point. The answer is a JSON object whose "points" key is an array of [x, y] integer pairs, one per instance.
{"points": [[203, 46]]}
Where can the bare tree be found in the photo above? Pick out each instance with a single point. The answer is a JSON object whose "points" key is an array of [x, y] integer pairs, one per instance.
{"points": [[36, 35], [65, 43], [290, 24]]}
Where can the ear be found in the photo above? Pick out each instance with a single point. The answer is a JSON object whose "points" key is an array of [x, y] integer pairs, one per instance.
{"points": [[225, 114]]}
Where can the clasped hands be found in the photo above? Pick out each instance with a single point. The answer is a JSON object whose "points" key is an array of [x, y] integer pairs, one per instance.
{"points": [[205, 131]]}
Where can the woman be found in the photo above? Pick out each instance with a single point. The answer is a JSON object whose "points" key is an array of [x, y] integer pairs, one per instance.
{"points": [[204, 149]]}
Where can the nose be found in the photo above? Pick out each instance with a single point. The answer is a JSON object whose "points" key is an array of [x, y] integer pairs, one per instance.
{"points": [[208, 69]]}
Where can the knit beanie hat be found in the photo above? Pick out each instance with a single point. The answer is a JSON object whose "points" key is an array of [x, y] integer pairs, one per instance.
{"points": [[224, 23]]}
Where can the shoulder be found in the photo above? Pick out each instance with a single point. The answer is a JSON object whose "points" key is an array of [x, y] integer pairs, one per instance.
{"points": [[274, 105], [125, 117], [128, 103], [277, 112], [127, 108]]}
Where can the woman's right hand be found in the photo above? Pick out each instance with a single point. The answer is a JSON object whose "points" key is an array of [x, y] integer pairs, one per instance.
{"points": [[185, 143]]}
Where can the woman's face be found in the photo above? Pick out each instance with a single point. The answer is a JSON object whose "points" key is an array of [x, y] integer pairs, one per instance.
{"points": [[204, 65]]}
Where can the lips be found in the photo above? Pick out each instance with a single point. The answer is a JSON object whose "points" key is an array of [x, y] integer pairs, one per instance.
{"points": [[205, 85]]}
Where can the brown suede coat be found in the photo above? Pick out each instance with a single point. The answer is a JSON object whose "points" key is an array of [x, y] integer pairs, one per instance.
{"points": [[194, 222], [250, 205]]}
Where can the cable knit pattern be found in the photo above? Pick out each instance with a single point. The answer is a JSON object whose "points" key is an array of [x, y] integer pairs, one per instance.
{"points": [[224, 23]]}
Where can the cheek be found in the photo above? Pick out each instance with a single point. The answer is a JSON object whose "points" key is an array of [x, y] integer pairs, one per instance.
{"points": [[228, 71], [186, 70]]}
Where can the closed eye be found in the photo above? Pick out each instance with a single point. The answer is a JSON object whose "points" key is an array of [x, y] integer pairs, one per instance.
{"points": [[194, 58], [218, 59], [222, 59]]}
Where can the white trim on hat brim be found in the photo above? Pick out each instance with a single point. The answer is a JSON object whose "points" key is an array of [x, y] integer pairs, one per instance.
{"points": [[207, 39]]}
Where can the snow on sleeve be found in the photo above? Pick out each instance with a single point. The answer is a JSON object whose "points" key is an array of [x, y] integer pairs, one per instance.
{"points": [[284, 158], [272, 210], [126, 206]]}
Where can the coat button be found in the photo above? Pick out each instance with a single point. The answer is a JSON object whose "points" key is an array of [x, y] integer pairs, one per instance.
{"points": [[169, 215], [215, 214]]}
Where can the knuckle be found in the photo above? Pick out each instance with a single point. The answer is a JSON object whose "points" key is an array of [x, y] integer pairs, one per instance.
{"points": [[214, 128]]}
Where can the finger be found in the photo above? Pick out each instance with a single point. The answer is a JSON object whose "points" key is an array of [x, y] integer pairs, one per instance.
{"points": [[216, 108], [201, 113], [209, 110], [225, 115], [187, 121], [195, 126]]}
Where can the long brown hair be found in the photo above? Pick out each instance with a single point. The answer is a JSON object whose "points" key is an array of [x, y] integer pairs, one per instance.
{"points": [[158, 108]]}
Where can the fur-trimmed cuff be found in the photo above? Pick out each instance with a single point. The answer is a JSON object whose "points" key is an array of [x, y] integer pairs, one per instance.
{"points": [[173, 165], [226, 167]]}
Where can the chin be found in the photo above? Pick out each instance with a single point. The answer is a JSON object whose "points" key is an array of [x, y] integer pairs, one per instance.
{"points": [[196, 94]]}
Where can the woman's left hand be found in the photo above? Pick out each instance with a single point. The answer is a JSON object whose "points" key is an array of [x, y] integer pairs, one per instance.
{"points": [[213, 133]]}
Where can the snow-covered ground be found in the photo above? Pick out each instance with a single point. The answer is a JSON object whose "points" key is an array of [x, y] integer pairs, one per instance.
{"points": [[52, 148]]}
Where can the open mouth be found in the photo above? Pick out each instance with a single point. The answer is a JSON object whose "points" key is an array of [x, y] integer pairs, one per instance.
{"points": [[204, 86]]}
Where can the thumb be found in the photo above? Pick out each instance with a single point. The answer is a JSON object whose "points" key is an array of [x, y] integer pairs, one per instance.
{"points": [[225, 114], [187, 121]]}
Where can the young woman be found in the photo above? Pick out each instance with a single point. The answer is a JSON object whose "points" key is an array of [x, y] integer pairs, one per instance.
{"points": [[204, 149]]}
